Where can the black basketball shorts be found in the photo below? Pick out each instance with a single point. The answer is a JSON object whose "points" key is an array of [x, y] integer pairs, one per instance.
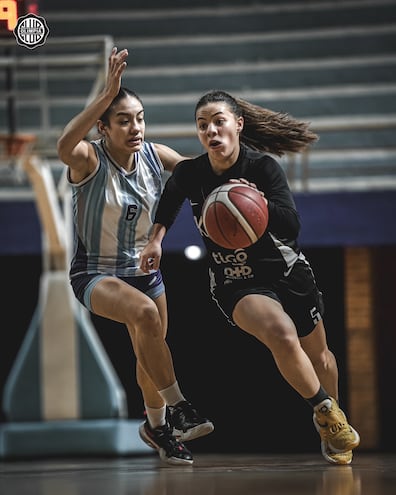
{"points": [[297, 293]]}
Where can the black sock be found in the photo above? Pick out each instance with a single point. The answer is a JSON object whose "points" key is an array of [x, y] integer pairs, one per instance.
{"points": [[319, 397]]}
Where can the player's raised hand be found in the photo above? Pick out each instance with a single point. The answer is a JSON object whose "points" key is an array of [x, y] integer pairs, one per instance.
{"points": [[116, 67]]}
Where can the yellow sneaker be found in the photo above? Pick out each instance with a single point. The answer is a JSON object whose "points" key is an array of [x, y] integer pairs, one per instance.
{"points": [[342, 458], [336, 434]]}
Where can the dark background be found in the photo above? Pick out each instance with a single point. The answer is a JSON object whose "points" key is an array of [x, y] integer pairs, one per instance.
{"points": [[228, 375]]}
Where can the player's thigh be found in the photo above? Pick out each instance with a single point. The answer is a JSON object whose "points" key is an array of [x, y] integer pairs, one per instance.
{"points": [[263, 317], [115, 299]]}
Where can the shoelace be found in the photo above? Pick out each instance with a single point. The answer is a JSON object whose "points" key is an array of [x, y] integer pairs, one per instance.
{"points": [[173, 443], [334, 427], [188, 412]]}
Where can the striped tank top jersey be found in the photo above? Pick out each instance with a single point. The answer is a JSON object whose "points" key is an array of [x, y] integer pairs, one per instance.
{"points": [[113, 213]]}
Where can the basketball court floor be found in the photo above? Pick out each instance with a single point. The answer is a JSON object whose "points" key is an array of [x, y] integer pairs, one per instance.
{"points": [[220, 474]]}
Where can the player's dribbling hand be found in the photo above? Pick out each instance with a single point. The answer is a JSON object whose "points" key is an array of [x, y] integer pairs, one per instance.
{"points": [[251, 184], [150, 257]]}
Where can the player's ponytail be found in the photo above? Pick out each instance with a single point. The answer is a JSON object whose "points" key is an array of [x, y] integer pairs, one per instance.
{"points": [[264, 130], [274, 132]]}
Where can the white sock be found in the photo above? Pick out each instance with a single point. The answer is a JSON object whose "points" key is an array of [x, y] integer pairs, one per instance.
{"points": [[156, 417], [172, 395]]}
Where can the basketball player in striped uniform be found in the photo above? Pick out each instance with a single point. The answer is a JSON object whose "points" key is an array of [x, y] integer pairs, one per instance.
{"points": [[116, 183], [267, 289]]}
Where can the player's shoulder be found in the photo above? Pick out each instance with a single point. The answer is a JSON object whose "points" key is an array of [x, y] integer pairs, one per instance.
{"points": [[260, 159], [149, 149], [187, 173], [256, 155], [189, 165]]}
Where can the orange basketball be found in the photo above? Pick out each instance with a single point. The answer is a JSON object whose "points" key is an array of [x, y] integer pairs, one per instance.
{"points": [[235, 215]]}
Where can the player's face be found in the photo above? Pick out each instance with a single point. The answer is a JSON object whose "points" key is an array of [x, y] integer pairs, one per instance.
{"points": [[125, 132], [218, 130]]}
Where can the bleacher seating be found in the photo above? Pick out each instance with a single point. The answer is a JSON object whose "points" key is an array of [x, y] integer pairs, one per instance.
{"points": [[331, 63]]}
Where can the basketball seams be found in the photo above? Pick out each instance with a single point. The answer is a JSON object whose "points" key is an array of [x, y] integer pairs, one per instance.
{"points": [[232, 212], [233, 209], [234, 216]]}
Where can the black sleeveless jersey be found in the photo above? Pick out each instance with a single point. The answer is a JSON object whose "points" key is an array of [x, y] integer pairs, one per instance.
{"points": [[275, 253]]}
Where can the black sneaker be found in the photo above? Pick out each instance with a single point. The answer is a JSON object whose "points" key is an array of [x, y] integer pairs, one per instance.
{"points": [[187, 423], [170, 449]]}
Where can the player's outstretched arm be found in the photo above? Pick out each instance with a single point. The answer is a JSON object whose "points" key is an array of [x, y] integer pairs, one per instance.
{"points": [[72, 147]]}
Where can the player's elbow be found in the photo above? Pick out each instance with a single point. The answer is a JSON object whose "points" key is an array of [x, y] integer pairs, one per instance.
{"points": [[62, 149], [293, 228]]}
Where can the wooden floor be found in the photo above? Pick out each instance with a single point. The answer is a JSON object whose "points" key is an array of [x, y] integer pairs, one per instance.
{"points": [[222, 474]]}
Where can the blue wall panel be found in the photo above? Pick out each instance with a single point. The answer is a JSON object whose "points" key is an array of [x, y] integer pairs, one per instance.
{"points": [[348, 218], [328, 219], [20, 231]]}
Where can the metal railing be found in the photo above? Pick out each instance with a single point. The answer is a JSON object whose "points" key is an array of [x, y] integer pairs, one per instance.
{"points": [[299, 166], [27, 79], [88, 55]]}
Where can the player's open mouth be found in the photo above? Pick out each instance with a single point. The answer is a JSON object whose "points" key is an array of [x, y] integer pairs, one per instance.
{"points": [[214, 144], [134, 142]]}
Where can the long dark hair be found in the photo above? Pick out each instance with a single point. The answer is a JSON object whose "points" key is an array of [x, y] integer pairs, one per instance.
{"points": [[264, 130]]}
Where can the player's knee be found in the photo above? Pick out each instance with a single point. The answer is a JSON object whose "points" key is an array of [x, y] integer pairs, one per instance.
{"points": [[283, 337], [146, 317]]}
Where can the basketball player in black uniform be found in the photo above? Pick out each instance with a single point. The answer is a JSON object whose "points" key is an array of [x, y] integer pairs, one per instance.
{"points": [[268, 289]]}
